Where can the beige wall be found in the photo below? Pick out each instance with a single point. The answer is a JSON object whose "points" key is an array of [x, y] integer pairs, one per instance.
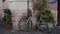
{"points": [[3, 6], [16, 16], [16, 13]]}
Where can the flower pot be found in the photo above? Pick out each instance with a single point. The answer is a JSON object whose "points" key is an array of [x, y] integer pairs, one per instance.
{"points": [[7, 26]]}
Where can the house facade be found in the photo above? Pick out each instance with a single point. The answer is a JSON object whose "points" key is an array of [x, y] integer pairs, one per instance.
{"points": [[19, 7], [3, 5]]}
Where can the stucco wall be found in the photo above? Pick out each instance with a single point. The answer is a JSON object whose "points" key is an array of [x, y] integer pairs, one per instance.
{"points": [[16, 16], [1, 8], [3, 5], [17, 13]]}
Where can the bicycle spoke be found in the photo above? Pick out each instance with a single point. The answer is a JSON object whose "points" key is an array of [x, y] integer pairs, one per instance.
{"points": [[25, 24]]}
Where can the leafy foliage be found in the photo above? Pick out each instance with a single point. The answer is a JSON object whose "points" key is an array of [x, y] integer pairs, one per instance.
{"points": [[7, 16], [47, 16], [43, 12], [7, 11]]}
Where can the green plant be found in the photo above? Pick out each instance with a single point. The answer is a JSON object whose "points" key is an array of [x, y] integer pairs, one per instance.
{"points": [[7, 16], [47, 16], [41, 7], [43, 11], [7, 11]]}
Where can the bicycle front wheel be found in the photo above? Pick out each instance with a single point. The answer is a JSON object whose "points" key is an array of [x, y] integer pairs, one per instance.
{"points": [[25, 24]]}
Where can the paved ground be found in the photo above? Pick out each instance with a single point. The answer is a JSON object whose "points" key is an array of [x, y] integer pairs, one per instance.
{"points": [[5, 31]]}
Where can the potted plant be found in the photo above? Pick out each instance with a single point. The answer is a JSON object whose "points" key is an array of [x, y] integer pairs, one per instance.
{"points": [[47, 16], [7, 19], [43, 12], [41, 7]]}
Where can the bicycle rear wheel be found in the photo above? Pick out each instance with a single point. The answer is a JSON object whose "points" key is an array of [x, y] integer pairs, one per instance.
{"points": [[49, 27], [25, 24]]}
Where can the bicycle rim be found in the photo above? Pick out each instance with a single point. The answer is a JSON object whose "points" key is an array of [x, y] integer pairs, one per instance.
{"points": [[48, 29], [26, 26]]}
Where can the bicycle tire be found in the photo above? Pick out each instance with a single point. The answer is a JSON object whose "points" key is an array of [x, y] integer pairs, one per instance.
{"points": [[48, 30], [45, 27], [29, 23]]}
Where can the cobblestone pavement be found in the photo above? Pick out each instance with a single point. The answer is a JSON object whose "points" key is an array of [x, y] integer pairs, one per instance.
{"points": [[5, 31]]}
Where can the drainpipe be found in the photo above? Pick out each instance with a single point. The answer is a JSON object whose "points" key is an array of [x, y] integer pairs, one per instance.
{"points": [[27, 5], [58, 14]]}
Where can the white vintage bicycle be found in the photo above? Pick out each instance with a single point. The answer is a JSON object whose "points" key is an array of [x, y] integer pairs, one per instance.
{"points": [[25, 24]]}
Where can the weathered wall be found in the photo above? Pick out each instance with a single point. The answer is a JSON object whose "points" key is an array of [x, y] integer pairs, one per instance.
{"points": [[17, 12], [1, 8], [16, 16], [3, 5]]}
